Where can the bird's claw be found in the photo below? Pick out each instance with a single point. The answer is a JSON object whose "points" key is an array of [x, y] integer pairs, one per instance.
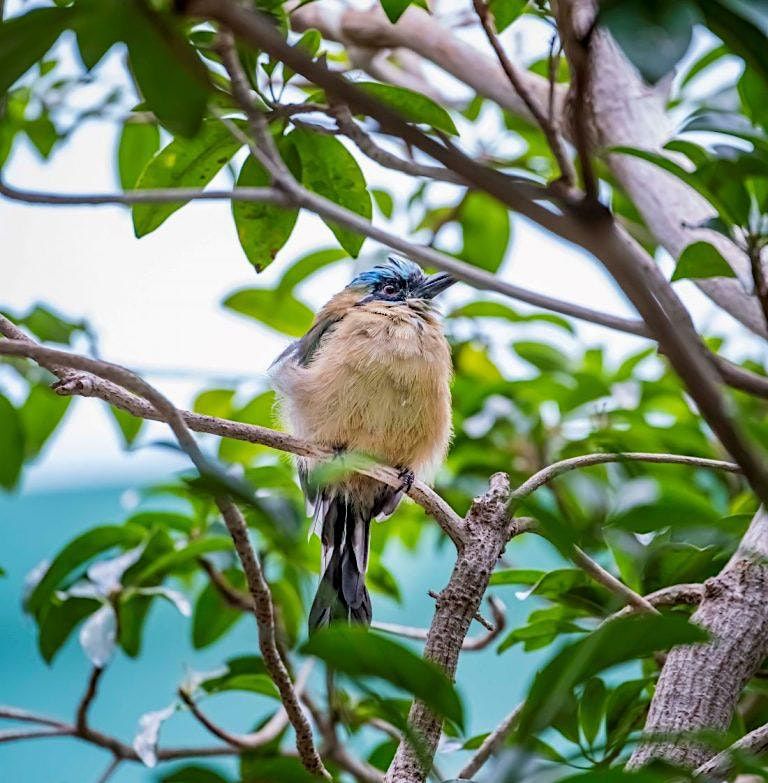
{"points": [[407, 476]]}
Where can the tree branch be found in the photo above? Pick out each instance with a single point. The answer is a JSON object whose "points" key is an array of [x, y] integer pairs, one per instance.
{"points": [[471, 643], [164, 196], [700, 684], [94, 386], [81, 716], [491, 745], [263, 610], [721, 765], [546, 123], [489, 526], [544, 476]]}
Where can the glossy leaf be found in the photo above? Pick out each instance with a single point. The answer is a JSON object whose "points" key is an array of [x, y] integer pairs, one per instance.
{"points": [[490, 309], [11, 444], [129, 425], [654, 34], [79, 551], [262, 229], [213, 616], [40, 415], [485, 231], [506, 11], [139, 141], [58, 620], [412, 106], [308, 265], [362, 653], [25, 39], [591, 708], [614, 642], [701, 260], [193, 773], [279, 311], [394, 9], [156, 47], [184, 163], [330, 170]]}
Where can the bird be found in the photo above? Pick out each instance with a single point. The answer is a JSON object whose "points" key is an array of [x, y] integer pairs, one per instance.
{"points": [[371, 376]]}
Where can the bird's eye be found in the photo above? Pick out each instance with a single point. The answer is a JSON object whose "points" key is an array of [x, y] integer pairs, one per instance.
{"points": [[389, 290]]}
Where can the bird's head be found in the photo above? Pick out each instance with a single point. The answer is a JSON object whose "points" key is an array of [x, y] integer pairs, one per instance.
{"points": [[399, 280]]}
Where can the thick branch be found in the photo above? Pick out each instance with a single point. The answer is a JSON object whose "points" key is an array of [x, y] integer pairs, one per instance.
{"points": [[700, 685], [489, 528]]}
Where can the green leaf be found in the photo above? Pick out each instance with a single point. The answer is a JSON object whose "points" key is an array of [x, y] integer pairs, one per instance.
{"points": [[40, 414], [485, 230], [49, 326], [362, 653], [394, 9], [128, 424], [506, 11], [412, 106], [490, 309], [751, 87], [280, 312], [139, 141], [538, 634], [543, 356], [262, 229], [307, 265], [310, 42], [213, 616], [654, 34], [253, 683], [591, 709], [330, 170], [184, 163], [193, 773], [735, 27], [57, 621], [171, 561], [11, 444], [516, 576], [701, 260], [79, 551], [169, 73], [215, 402], [384, 201], [169, 520], [256, 768], [616, 641], [42, 133], [25, 39]]}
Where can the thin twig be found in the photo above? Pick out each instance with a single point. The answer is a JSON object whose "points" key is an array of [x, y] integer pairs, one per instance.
{"points": [[755, 255], [556, 469], [159, 196], [110, 770], [719, 766], [81, 716], [470, 643], [608, 580], [567, 173], [490, 745]]}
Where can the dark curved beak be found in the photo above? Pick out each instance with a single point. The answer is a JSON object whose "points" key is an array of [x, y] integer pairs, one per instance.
{"points": [[434, 285]]}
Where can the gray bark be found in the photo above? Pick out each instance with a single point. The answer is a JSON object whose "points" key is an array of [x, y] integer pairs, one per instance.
{"points": [[700, 685]]}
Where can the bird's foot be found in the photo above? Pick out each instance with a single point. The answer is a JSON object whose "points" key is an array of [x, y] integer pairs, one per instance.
{"points": [[407, 476]]}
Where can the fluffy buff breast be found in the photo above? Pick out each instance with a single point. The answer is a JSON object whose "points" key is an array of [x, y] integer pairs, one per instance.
{"points": [[378, 383]]}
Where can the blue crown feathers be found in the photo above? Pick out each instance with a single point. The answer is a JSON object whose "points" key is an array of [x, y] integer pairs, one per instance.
{"points": [[395, 269]]}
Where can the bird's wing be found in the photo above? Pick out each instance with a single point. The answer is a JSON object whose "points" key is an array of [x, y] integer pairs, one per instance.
{"points": [[302, 350]]}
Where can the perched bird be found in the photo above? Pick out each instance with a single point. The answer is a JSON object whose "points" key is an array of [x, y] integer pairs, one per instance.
{"points": [[372, 375]]}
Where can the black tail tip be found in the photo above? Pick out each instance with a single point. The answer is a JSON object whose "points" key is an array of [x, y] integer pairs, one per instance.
{"points": [[330, 607]]}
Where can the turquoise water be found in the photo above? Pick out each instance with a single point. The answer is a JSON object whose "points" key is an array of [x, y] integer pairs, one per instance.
{"points": [[35, 525]]}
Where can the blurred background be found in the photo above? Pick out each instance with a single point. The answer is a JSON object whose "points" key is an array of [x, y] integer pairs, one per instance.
{"points": [[155, 305]]}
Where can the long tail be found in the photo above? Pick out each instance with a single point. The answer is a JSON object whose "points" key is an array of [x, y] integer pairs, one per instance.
{"points": [[345, 533]]}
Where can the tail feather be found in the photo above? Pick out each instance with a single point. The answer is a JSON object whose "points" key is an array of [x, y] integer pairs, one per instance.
{"points": [[345, 536]]}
